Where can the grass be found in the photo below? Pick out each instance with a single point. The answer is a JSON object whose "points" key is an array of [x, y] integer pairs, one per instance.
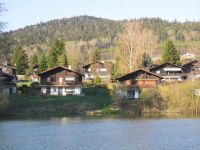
{"points": [[28, 105]]}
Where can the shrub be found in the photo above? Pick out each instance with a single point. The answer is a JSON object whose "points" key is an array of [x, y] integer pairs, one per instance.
{"points": [[152, 99], [97, 81]]}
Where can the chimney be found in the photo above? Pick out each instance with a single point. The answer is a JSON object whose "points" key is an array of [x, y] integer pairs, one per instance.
{"points": [[70, 67]]}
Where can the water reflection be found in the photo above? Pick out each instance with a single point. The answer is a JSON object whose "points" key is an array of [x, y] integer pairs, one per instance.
{"points": [[100, 133]]}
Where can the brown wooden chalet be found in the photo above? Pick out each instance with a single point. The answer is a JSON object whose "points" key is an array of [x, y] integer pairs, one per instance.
{"points": [[169, 72], [95, 69], [61, 81], [7, 81], [135, 81], [192, 69]]}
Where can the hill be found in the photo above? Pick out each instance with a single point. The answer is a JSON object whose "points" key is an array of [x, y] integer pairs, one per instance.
{"points": [[98, 33]]}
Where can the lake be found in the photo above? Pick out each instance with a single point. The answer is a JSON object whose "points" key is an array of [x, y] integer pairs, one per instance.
{"points": [[89, 133]]}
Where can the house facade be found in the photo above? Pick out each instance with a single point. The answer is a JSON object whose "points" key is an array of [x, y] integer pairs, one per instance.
{"points": [[169, 72], [192, 69], [95, 69], [61, 81], [7, 79], [135, 81]]}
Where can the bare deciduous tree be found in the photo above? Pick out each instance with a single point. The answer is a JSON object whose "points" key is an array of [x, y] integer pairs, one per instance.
{"points": [[132, 43]]}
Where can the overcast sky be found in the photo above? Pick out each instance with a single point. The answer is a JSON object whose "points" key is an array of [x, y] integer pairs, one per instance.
{"points": [[21, 13]]}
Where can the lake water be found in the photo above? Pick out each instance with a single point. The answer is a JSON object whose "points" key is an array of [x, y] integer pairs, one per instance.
{"points": [[80, 133]]}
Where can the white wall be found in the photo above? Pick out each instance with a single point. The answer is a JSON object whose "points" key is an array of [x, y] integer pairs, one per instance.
{"points": [[78, 91], [43, 90], [54, 91]]}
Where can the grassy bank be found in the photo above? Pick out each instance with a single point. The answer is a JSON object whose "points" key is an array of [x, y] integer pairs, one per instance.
{"points": [[40, 105], [172, 98]]}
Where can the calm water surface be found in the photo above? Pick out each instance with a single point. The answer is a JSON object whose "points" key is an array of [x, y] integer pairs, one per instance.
{"points": [[100, 134]]}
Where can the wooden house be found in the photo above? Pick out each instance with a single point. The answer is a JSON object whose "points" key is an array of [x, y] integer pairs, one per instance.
{"points": [[95, 69], [61, 81], [169, 72], [34, 78], [192, 69], [135, 81]]}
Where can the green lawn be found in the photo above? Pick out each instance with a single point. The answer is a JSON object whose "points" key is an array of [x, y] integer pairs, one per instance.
{"points": [[93, 99]]}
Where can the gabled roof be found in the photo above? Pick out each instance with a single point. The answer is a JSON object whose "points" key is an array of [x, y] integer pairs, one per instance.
{"points": [[158, 66], [51, 69], [135, 73], [8, 65], [189, 63], [94, 63]]}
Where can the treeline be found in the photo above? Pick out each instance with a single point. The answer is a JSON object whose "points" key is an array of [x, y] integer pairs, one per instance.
{"points": [[84, 34], [87, 28], [174, 30], [71, 29]]}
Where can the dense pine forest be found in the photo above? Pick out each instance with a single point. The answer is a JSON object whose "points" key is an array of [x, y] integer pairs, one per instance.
{"points": [[87, 32]]}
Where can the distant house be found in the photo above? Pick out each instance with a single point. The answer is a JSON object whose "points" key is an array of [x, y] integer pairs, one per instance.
{"points": [[169, 72], [61, 81], [35, 69], [34, 78], [135, 81], [192, 69], [7, 79], [97, 68], [188, 55]]}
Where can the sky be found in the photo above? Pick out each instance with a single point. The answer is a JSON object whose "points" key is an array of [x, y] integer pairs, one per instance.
{"points": [[21, 13]]}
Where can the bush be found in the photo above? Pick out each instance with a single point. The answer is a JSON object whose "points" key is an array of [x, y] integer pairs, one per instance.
{"points": [[180, 97], [152, 99], [24, 89], [97, 81]]}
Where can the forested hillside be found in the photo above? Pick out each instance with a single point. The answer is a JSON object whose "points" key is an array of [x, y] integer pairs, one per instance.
{"points": [[72, 29], [86, 32]]}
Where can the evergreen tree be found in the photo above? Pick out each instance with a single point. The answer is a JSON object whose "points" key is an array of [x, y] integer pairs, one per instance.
{"points": [[96, 55], [21, 61], [146, 60], [62, 60], [56, 50], [115, 70], [42, 64], [52, 58], [33, 61], [170, 53], [58, 46]]}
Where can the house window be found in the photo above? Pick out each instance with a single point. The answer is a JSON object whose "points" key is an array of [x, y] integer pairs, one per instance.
{"points": [[131, 94], [48, 79], [60, 80], [158, 71], [103, 69], [53, 79], [70, 79]]}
